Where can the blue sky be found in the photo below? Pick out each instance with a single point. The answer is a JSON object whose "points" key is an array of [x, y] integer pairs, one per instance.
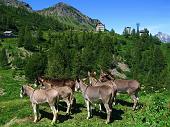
{"points": [[116, 14]]}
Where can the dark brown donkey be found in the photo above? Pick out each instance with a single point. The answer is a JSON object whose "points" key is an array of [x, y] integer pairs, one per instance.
{"points": [[65, 92], [131, 87], [50, 82], [97, 94], [40, 96]]}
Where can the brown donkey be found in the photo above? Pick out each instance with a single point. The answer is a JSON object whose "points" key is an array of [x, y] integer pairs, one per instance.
{"points": [[40, 96], [50, 82], [97, 94], [131, 87], [65, 92]]}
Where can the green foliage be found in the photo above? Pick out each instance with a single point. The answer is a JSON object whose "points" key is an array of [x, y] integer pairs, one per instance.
{"points": [[21, 37], [14, 18], [3, 58], [147, 61], [18, 62], [75, 53], [35, 66], [28, 40]]}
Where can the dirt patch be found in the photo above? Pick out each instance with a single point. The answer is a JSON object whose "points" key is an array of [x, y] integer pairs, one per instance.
{"points": [[18, 121], [124, 67], [2, 92], [118, 74]]}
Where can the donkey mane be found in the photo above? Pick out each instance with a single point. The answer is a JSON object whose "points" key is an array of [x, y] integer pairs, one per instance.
{"points": [[55, 79]]}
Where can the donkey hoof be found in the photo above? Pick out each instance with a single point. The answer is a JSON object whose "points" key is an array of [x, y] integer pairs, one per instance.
{"points": [[52, 123], [107, 122], [133, 109], [35, 121], [88, 118]]}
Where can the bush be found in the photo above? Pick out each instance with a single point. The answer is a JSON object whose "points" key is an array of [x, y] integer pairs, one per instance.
{"points": [[35, 66], [18, 62]]}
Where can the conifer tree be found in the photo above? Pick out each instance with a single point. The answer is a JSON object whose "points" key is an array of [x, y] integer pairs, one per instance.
{"points": [[3, 58]]}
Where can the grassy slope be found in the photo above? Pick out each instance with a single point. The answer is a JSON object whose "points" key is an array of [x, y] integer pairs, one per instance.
{"points": [[18, 112]]}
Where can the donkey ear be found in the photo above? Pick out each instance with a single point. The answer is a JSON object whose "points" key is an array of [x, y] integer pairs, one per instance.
{"points": [[101, 71], [77, 78], [94, 73], [88, 73], [22, 88]]}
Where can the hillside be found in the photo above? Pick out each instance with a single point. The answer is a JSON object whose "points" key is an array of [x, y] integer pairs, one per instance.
{"points": [[153, 109], [70, 15], [17, 4], [12, 18]]}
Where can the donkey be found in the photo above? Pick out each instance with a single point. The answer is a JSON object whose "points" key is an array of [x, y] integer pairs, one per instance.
{"points": [[97, 94], [50, 82], [40, 96], [94, 82], [65, 93], [131, 87]]}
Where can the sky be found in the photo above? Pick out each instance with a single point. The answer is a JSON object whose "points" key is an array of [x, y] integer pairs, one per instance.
{"points": [[117, 14]]}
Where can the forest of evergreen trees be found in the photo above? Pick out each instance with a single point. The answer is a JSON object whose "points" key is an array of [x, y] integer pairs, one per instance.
{"points": [[70, 54]]}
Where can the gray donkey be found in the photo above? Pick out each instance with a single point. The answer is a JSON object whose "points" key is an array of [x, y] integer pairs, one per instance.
{"points": [[40, 96], [97, 94], [94, 82], [131, 87]]}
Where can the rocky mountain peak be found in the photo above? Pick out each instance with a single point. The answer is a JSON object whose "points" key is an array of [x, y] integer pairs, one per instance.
{"points": [[163, 37]]}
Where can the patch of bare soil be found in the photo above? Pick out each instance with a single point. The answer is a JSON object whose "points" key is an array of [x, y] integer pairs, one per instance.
{"points": [[16, 120], [124, 67]]}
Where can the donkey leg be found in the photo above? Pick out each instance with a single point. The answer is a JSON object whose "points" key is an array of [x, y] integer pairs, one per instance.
{"points": [[68, 107], [114, 101], [109, 111], [38, 113], [135, 100], [35, 112], [54, 113], [88, 109], [100, 108]]}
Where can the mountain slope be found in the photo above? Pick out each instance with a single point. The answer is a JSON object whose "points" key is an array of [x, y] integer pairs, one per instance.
{"points": [[12, 18], [70, 15], [16, 3], [163, 37]]}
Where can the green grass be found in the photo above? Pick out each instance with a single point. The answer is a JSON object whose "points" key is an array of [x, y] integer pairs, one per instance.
{"points": [[154, 110]]}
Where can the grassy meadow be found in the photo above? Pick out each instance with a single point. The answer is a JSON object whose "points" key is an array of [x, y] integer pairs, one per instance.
{"points": [[153, 110]]}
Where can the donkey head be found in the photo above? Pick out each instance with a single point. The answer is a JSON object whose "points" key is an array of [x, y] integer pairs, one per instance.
{"points": [[105, 76], [77, 84], [40, 80], [22, 91], [92, 78]]}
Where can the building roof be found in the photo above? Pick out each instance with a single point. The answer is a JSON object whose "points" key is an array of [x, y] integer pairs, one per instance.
{"points": [[100, 24], [7, 32]]}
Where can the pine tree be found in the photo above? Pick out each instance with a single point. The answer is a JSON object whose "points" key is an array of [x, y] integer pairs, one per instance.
{"points": [[21, 37], [3, 58], [28, 40], [35, 66], [40, 38]]}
